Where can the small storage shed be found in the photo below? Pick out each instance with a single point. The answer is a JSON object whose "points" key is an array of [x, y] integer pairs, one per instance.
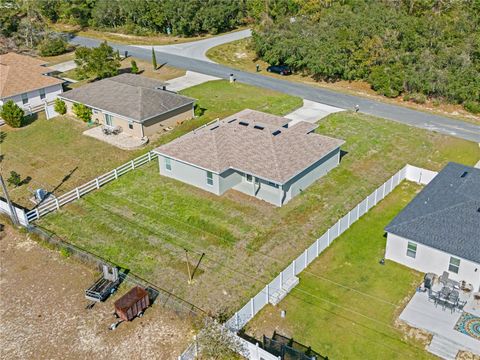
{"points": [[132, 303]]}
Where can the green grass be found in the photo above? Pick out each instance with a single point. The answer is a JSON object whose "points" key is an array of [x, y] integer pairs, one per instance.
{"points": [[143, 221], [356, 321]]}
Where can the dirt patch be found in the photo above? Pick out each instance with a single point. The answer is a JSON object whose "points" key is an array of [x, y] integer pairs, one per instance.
{"points": [[419, 335], [43, 313], [464, 355]]}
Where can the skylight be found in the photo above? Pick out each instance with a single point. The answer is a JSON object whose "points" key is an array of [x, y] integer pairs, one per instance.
{"points": [[276, 132], [464, 174], [230, 121], [258, 127], [243, 123], [213, 128]]}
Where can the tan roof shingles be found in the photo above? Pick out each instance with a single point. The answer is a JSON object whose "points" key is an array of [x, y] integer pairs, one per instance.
{"points": [[226, 144], [20, 74], [133, 96]]}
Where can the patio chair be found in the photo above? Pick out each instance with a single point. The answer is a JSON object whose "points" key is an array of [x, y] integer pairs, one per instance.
{"points": [[444, 278], [432, 295], [461, 305]]}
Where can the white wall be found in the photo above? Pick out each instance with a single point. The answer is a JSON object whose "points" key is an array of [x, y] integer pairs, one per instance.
{"points": [[430, 260], [34, 100]]}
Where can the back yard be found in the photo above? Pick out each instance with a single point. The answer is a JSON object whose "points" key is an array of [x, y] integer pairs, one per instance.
{"points": [[144, 221], [346, 304]]}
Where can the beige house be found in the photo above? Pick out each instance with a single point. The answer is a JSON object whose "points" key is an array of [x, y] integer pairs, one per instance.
{"points": [[140, 106]]}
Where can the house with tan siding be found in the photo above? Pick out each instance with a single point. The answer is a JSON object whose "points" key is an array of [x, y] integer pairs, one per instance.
{"points": [[139, 106]]}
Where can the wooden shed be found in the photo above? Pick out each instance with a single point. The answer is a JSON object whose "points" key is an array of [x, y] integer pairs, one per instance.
{"points": [[132, 303]]}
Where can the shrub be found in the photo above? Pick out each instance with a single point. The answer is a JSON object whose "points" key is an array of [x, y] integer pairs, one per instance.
{"points": [[419, 98], [472, 106], [83, 112], [14, 179], [65, 252], [52, 46], [60, 106], [436, 102], [12, 114], [134, 67], [387, 80], [406, 97]]}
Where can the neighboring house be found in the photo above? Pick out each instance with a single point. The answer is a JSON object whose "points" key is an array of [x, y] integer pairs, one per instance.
{"points": [[439, 230], [27, 82], [252, 152], [135, 103]]}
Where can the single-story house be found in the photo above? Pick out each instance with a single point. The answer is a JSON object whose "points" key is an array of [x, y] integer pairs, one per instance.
{"points": [[140, 106], [439, 230], [253, 152], [27, 81]]}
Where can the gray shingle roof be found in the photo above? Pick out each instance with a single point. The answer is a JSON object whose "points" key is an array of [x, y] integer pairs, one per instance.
{"points": [[255, 143], [133, 96], [445, 215]]}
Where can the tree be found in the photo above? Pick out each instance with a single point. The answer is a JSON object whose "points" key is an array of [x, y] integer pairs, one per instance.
{"points": [[52, 46], [14, 179], [12, 114], [134, 67], [100, 62], [82, 111], [217, 342], [154, 59], [60, 106]]}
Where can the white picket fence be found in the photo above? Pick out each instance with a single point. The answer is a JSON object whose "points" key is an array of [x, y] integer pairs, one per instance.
{"points": [[54, 203], [21, 215], [287, 279]]}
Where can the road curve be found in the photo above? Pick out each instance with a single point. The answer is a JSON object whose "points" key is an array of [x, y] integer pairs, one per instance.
{"points": [[401, 114]]}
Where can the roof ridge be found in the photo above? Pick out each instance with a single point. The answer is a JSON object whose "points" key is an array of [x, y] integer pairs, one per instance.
{"points": [[432, 213]]}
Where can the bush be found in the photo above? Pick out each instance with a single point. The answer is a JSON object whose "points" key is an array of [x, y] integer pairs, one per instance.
{"points": [[134, 67], [387, 80], [472, 106], [60, 106], [83, 112], [14, 179], [419, 98], [12, 114], [52, 47]]}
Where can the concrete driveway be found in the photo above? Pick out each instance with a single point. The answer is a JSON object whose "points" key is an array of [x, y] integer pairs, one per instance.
{"points": [[64, 66], [311, 112], [191, 78], [198, 49]]}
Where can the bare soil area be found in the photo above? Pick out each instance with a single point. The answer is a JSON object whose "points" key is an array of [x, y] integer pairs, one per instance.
{"points": [[43, 315]]}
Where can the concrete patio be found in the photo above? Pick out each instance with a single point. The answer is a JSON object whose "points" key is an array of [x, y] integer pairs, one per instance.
{"points": [[422, 313], [122, 141]]}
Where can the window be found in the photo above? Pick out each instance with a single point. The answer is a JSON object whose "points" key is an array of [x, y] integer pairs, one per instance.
{"points": [[108, 119], [248, 178], [209, 178], [412, 250], [454, 265], [24, 99], [42, 93], [168, 164]]}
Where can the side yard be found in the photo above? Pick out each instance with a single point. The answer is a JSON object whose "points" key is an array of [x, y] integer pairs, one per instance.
{"points": [[43, 313], [346, 304], [144, 221]]}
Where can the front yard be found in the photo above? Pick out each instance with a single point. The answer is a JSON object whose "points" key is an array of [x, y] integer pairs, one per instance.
{"points": [[346, 304], [144, 221]]}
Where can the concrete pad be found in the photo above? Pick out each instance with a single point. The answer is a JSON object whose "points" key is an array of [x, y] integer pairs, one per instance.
{"points": [[311, 112], [64, 66], [122, 140], [190, 79]]}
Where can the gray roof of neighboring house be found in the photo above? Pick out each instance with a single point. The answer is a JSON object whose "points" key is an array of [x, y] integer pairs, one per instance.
{"points": [[445, 215], [133, 96], [255, 143]]}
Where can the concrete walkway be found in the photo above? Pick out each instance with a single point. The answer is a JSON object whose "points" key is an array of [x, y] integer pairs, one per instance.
{"points": [[311, 112], [191, 78], [198, 49], [64, 66]]}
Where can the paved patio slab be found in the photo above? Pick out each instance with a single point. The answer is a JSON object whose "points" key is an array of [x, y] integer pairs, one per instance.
{"points": [[190, 79], [311, 112], [122, 140], [420, 312], [64, 66]]}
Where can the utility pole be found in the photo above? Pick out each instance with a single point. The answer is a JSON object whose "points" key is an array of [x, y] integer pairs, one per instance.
{"points": [[13, 213]]}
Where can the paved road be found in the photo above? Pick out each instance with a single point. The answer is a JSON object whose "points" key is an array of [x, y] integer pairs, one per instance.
{"points": [[401, 114], [198, 49]]}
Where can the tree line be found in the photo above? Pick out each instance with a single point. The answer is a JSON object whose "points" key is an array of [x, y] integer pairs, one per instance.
{"points": [[418, 49]]}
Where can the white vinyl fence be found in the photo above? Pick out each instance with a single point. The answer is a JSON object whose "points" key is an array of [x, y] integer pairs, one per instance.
{"points": [[54, 203], [21, 215], [282, 283]]}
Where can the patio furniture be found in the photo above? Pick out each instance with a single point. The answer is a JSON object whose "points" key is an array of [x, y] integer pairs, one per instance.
{"points": [[432, 295], [444, 277], [461, 305]]}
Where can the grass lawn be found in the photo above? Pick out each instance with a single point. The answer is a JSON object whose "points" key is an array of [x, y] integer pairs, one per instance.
{"points": [[240, 55], [354, 320], [144, 221]]}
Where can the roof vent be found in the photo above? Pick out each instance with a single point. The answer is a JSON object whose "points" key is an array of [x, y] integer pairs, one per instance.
{"points": [[230, 121], [478, 210], [258, 127], [243, 123], [276, 132], [464, 174], [213, 128]]}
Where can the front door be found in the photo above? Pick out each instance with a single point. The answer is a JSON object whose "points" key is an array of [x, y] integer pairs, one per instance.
{"points": [[108, 120]]}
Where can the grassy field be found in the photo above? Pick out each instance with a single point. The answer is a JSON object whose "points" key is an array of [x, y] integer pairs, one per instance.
{"points": [[144, 221], [347, 303], [56, 156], [239, 54]]}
